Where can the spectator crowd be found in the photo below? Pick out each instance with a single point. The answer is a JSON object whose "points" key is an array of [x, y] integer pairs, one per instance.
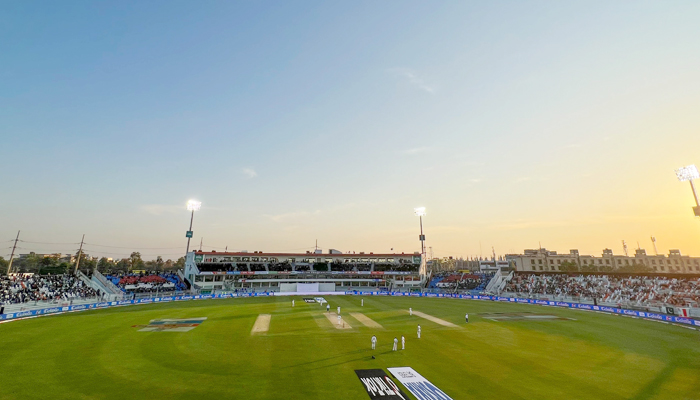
{"points": [[147, 282], [25, 288], [640, 290], [459, 281]]}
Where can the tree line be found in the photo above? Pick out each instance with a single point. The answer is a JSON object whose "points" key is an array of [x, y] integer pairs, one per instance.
{"points": [[42, 265]]}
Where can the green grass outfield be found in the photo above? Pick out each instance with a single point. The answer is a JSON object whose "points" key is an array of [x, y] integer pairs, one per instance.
{"points": [[99, 355]]}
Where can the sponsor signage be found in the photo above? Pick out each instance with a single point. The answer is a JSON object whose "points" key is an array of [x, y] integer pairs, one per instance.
{"points": [[379, 386], [171, 325], [80, 307], [420, 387], [309, 300]]}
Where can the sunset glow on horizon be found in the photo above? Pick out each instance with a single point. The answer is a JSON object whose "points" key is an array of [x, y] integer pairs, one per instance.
{"points": [[516, 125]]}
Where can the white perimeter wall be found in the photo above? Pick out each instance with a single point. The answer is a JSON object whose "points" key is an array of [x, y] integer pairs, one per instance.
{"points": [[308, 287], [327, 287], [288, 287]]}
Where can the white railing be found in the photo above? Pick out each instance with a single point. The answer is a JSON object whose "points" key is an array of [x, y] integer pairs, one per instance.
{"points": [[106, 283], [39, 304], [497, 277]]}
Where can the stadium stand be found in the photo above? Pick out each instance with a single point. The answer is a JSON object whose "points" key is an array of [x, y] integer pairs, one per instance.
{"points": [[638, 290], [147, 282], [460, 281], [25, 288], [271, 272]]}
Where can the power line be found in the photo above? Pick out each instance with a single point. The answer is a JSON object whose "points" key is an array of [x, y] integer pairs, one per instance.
{"points": [[26, 241], [131, 247], [88, 251]]}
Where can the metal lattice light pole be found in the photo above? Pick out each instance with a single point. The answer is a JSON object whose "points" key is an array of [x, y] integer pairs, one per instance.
{"points": [[688, 174], [420, 213], [192, 205]]}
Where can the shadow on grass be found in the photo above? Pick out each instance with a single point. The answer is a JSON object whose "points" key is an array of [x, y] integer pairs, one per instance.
{"points": [[651, 389], [346, 354]]}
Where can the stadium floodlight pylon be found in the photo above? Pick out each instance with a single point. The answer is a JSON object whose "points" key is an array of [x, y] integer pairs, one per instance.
{"points": [[689, 173], [192, 205], [423, 271]]}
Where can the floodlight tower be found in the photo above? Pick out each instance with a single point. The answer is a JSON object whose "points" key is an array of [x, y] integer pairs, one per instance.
{"points": [[420, 212], [192, 205], [688, 174]]}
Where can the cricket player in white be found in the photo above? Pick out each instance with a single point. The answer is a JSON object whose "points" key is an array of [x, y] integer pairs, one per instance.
{"points": [[410, 311], [403, 343], [396, 343], [374, 342], [418, 331], [338, 310], [339, 319], [292, 303], [328, 308], [467, 317], [363, 303]]}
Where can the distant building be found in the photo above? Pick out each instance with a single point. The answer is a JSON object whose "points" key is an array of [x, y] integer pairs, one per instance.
{"points": [[549, 261], [494, 265]]}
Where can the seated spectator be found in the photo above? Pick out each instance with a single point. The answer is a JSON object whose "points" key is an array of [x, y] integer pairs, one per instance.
{"points": [[25, 288], [147, 282], [638, 290]]}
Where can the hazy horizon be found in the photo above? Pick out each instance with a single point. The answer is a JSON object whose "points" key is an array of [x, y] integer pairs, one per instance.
{"points": [[515, 124]]}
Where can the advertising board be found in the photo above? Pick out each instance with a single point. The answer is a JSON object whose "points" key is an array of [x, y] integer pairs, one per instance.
{"points": [[379, 385], [420, 387]]}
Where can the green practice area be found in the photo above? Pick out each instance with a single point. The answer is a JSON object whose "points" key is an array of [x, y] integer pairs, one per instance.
{"points": [[263, 348]]}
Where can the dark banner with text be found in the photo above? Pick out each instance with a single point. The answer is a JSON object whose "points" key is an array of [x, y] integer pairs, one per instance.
{"points": [[379, 385]]}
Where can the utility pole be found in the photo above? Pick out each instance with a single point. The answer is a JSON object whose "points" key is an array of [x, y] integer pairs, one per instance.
{"points": [[200, 243], [423, 270], [80, 254], [9, 265], [653, 241], [624, 247], [192, 205]]}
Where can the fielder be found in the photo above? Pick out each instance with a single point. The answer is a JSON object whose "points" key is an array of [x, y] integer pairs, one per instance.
{"points": [[374, 342], [396, 342], [467, 318], [292, 303], [410, 311], [338, 310], [403, 343], [362, 304], [418, 331]]}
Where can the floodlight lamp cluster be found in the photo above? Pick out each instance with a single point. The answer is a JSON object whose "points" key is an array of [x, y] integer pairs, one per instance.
{"points": [[419, 211], [194, 205], [687, 173]]}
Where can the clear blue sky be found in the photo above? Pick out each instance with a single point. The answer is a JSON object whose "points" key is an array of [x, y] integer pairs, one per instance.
{"points": [[514, 123]]}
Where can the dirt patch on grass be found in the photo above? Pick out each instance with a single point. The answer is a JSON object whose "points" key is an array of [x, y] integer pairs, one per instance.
{"points": [[434, 319], [262, 324], [521, 317], [333, 318], [366, 321]]}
